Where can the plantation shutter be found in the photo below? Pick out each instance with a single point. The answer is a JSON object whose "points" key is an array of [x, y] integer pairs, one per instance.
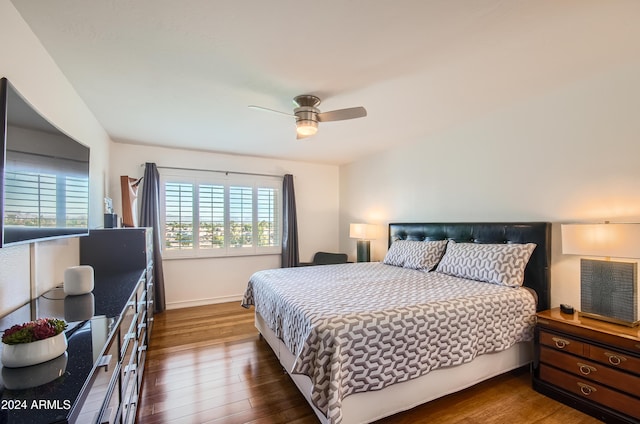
{"points": [[179, 199], [211, 206], [208, 215], [240, 216], [268, 219]]}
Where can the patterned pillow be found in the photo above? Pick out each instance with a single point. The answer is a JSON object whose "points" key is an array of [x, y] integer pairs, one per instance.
{"points": [[501, 264], [415, 254]]}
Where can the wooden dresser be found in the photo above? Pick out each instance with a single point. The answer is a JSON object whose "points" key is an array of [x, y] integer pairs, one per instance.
{"points": [[591, 365]]}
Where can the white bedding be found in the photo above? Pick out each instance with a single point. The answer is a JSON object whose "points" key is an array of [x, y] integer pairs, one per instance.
{"points": [[360, 327]]}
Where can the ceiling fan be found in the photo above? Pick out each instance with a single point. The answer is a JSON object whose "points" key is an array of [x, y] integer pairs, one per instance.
{"points": [[308, 115]]}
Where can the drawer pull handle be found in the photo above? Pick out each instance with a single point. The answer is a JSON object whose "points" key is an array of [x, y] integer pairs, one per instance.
{"points": [[615, 359], [586, 369], [104, 362], [586, 389], [560, 343]]}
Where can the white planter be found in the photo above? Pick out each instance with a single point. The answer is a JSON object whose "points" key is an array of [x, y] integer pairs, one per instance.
{"points": [[26, 354]]}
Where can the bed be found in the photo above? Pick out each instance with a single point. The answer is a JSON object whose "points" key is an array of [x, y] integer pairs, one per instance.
{"points": [[442, 312]]}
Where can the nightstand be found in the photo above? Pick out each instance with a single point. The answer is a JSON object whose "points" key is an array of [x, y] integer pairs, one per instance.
{"points": [[590, 365]]}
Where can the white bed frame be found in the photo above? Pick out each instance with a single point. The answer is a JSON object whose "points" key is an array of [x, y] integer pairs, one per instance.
{"points": [[370, 406]]}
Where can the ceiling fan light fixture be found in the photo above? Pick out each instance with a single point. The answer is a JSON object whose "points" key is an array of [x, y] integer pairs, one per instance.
{"points": [[306, 127], [308, 115]]}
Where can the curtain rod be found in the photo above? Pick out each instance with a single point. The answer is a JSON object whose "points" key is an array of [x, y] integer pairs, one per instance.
{"points": [[216, 170]]}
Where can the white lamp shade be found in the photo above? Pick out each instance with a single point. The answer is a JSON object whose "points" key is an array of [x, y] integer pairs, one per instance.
{"points": [[363, 231], [609, 240]]}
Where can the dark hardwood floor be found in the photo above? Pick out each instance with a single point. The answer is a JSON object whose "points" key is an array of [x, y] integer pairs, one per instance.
{"points": [[208, 365]]}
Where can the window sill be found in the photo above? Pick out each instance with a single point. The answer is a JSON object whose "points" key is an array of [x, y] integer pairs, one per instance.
{"points": [[178, 258]]}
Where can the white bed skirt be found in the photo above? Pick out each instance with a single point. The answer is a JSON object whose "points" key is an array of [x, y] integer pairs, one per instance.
{"points": [[370, 406]]}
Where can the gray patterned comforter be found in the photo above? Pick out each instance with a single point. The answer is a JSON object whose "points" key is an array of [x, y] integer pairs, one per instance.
{"points": [[361, 327]]}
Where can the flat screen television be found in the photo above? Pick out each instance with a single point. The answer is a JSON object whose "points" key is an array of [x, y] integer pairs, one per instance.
{"points": [[44, 175]]}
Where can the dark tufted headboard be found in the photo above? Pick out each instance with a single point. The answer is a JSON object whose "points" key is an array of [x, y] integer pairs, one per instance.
{"points": [[537, 275]]}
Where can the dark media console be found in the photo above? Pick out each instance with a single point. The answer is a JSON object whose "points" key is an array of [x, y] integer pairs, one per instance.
{"points": [[98, 379]]}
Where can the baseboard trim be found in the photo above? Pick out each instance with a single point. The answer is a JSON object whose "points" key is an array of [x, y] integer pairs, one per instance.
{"points": [[202, 302]]}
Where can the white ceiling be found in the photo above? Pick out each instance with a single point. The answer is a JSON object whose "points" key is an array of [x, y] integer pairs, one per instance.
{"points": [[182, 73]]}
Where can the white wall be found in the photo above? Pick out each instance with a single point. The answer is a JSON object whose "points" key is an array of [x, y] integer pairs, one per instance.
{"points": [[34, 74], [190, 282], [564, 156]]}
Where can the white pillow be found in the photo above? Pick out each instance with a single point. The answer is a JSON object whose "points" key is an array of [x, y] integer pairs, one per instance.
{"points": [[415, 254], [502, 264]]}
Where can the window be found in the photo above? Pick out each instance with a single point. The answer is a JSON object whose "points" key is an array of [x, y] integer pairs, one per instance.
{"points": [[209, 215]]}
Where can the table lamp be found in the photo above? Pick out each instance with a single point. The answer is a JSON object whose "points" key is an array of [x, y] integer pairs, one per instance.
{"points": [[364, 233], [608, 289]]}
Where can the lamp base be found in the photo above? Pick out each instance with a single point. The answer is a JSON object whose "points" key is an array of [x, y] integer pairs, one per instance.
{"points": [[608, 291], [364, 251], [609, 319]]}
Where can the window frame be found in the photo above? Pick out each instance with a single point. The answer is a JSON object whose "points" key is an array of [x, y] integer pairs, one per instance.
{"points": [[227, 180]]}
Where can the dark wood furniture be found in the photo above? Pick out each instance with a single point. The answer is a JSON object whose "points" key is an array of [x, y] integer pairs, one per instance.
{"points": [[591, 365]]}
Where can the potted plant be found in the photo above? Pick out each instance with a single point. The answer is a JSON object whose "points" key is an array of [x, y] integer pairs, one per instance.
{"points": [[33, 342]]}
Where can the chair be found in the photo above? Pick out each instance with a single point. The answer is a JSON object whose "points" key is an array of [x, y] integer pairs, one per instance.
{"points": [[325, 258]]}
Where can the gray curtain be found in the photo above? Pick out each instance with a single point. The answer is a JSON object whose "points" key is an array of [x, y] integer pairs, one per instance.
{"points": [[150, 217], [290, 256]]}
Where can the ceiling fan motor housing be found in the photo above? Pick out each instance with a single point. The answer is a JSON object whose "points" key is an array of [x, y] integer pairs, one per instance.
{"points": [[306, 114], [306, 100], [307, 109]]}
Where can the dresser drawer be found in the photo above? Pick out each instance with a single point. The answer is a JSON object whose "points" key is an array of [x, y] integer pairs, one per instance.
{"points": [[563, 343], [591, 370], [615, 359], [141, 296], [592, 391], [104, 386], [128, 325]]}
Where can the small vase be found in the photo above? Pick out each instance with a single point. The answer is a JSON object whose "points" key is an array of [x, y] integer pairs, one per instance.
{"points": [[26, 354]]}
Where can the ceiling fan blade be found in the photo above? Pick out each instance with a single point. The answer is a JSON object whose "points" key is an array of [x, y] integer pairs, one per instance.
{"points": [[271, 110], [342, 114]]}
